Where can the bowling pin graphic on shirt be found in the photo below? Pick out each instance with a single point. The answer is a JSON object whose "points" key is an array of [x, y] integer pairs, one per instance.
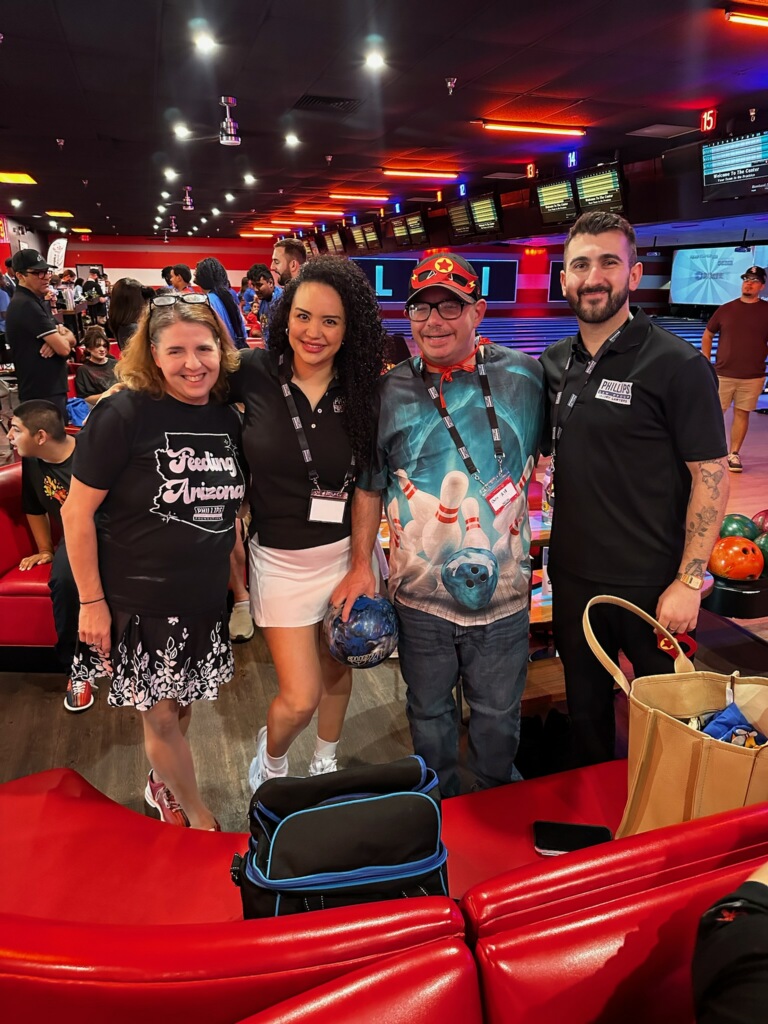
{"points": [[422, 505], [475, 536], [442, 534], [512, 523]]}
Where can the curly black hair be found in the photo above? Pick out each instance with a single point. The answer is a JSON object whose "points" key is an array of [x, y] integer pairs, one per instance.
{"points": [[360, 360]]}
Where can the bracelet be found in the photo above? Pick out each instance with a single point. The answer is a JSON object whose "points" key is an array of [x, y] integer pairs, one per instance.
{"points": [[95, 600]]}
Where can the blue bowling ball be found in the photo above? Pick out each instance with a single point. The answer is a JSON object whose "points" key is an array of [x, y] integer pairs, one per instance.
{"points": [[368, 638], [471, 576]]}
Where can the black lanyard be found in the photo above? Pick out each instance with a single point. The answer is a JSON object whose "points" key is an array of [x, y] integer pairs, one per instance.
{"points": [[558, 422], [298, 426], [450, 426]]}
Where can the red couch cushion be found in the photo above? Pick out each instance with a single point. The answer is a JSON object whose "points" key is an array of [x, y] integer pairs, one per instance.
{"points": [[27, 583]]}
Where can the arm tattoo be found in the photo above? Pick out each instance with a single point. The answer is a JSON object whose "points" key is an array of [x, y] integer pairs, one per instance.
{"points": [[711, 479], [702, 521], [696, 567]]}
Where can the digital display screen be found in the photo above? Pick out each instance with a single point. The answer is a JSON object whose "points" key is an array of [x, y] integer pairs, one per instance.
{"points": [[555, 293], [371, 236], [400, 231], [416, 227], [711, 276], [330, 242], [337, 242], [735, 168], [460, 218], [557, 202], [390, 277], [359, 237], [600, 190], [484, 214]]}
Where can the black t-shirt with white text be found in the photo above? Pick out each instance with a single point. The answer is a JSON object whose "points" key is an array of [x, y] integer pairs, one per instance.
{"points": [[175, 481]]}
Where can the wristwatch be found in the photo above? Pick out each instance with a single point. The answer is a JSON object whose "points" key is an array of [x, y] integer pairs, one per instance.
{"points": [[694, 582]]}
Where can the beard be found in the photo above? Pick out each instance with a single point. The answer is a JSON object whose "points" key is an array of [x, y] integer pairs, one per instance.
{"points": [[590, 314]]}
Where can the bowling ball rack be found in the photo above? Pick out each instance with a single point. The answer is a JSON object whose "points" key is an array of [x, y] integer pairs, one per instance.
{"points": [[738, 599]]}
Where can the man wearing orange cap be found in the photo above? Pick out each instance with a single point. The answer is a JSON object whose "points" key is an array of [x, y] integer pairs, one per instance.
{"points": [[458, 430]]}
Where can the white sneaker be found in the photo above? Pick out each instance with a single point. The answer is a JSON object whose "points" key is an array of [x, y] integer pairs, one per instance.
{"points": [[322, 765], [241, 626], [258, 772]]}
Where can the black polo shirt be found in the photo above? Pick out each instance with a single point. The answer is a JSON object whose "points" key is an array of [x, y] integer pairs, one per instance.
{"points": [[28, 320], [621, 481], [280, 485]]}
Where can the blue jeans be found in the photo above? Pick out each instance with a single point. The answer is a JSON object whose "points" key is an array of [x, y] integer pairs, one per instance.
{"points": [[491, 662]]}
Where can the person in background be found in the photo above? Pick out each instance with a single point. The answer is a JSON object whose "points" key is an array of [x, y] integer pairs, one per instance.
{"points": [[640, 481], [8, 279], [152, 571], [288, 257], [5, 302], [47, 453], [267, 292], [320, 376], [95, 295], [125, 309], [40, 346], [181, 277], [246, 296], [97, 374], [742, 349], [395, 350], [165, 273], [211, 275]]}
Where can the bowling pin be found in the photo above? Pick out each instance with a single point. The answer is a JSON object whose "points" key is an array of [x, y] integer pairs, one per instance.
{"points": [[441, 536], [423, 505], [407, 537], [475, 536]]}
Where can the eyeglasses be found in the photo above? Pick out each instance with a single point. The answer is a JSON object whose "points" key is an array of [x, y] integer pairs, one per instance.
{"points": [[448, 309], [38, 273], [194, 298]]}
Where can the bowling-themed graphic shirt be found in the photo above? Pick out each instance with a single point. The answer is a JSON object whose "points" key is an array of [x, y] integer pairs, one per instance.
{"points": [[450, 555], [175, 482]]}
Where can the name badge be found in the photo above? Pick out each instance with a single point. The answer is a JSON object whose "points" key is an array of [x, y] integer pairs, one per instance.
{"points": [[617, 391], [327, 506], [499, 492]]}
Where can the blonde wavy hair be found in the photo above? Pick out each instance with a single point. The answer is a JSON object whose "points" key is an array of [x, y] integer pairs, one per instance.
{"points": [[138, 370]]}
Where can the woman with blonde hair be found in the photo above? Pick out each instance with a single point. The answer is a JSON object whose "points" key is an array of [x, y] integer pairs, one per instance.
{"points": [[160, 463]]}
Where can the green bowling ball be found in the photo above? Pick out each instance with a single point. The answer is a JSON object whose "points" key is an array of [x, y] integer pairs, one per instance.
{"points": [[762, 543], [736, 525]]}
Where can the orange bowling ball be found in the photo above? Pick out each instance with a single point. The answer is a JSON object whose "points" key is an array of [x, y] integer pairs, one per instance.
{"points": [[736, 558]]}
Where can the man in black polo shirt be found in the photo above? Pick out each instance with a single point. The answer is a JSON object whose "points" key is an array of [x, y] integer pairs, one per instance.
{"points": [[40, 347], [640, 477]]}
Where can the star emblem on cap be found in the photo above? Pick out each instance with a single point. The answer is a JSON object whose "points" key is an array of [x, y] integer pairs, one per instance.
{"points": [[443, 265]]}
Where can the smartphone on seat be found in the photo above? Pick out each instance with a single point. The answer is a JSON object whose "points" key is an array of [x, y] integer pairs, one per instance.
{"points": [[552, 838]]}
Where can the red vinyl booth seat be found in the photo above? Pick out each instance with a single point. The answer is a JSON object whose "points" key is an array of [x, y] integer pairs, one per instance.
{"points": [[434, 984], [624, 962], [108, 915], [26, 612]]}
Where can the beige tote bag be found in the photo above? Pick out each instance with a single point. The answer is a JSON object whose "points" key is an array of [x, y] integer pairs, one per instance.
{"points": [[676, 773]]}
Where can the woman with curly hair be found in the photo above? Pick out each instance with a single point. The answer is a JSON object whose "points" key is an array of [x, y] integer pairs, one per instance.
{"points": [[211, 275], [160, 463], [308, 428]]}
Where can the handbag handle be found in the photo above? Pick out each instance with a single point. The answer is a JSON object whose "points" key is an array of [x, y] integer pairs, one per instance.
{"points": [[682, 663]]}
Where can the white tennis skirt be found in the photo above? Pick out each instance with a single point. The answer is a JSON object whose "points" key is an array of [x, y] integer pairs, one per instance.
{"points": [[293, 588]]}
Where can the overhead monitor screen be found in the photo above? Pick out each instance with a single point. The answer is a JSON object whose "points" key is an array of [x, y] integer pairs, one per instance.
{"points": [[600, 190], [711, 276], [735, 168], [485, 214], [416, 228], [461, 221], [330, 242], [336, 236], [400, 231], [359, 237], [556, 202], [371, 237]]}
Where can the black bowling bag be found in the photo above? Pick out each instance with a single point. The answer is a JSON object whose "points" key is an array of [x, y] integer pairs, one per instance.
{"points": [[355, 836]]}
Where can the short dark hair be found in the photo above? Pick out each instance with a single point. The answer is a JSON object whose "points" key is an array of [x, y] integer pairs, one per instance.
{"points": [[37, 414], [93, 336], [181, 270], [294, 249], [260, 270], [8, 262], [597, 223], [95, 270], [164, 273]]}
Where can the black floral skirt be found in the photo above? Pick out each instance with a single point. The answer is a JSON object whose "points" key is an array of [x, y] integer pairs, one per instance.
{"points": [[178, 657]]}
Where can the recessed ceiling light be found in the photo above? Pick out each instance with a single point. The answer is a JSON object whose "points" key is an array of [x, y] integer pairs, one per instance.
{"points": [[161, 209], [215, 212], [15, 203], [229, 197], [81, 231], [205, 42], [14, 178], [52, 223], [291, 139], [189, 232], [165, 195], [374, 61], [249, 179], [170, 174], [203, 220], [59, 213], [194, 227], [181, 131], [64, 230]]}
